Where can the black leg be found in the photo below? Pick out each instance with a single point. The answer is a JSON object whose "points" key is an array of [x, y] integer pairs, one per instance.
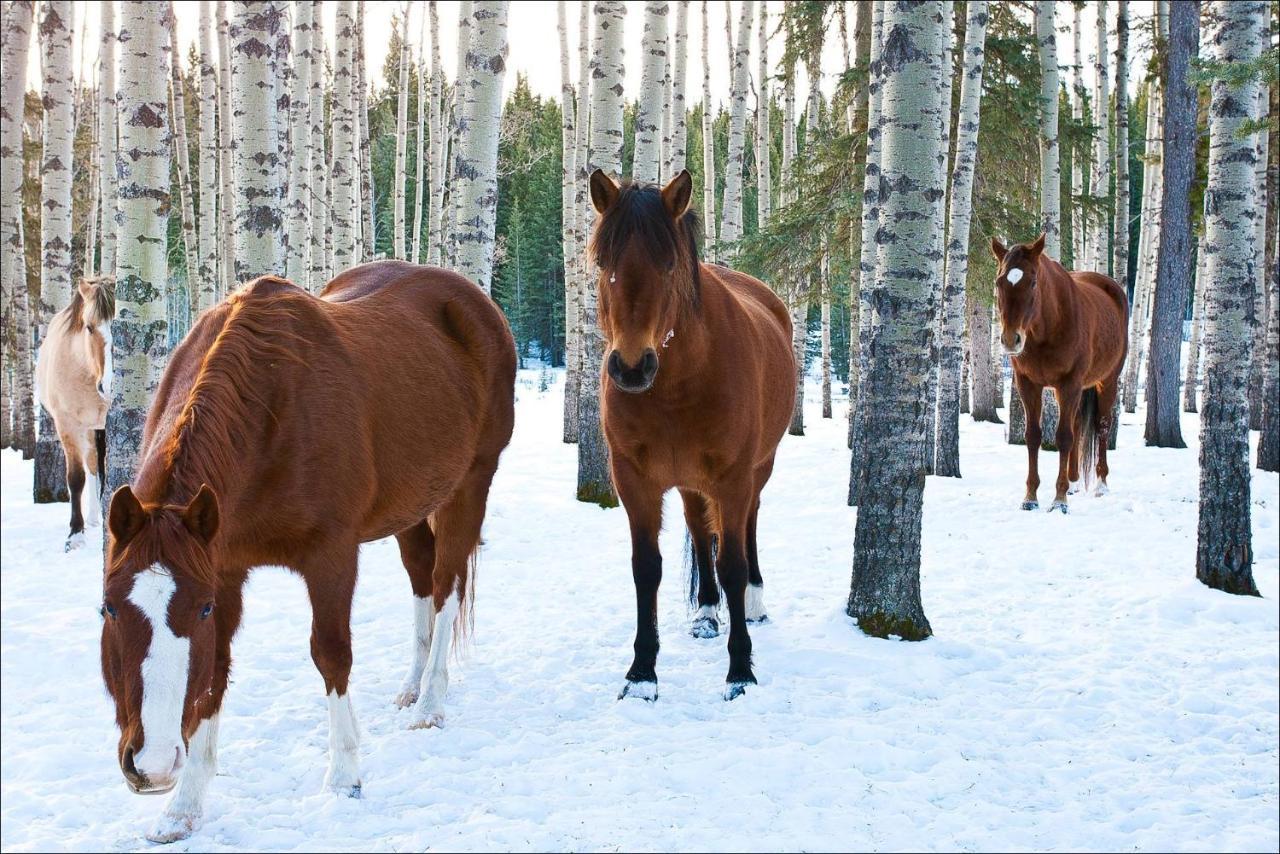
{"points": [[643, 501], [75, 486], [732, 569]]}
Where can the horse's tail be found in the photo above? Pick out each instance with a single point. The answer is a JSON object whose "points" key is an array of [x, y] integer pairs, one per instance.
{"points": [[1087, 436], [100, 439], [692, 567]]}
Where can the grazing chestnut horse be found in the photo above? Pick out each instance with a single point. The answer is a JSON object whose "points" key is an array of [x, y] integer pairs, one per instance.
{"points": [[287, 430], [696, 394], [73, 381], [1066, 331]]}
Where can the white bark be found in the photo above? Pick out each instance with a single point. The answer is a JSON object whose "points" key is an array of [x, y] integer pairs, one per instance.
{"points": [[455, 118], [648, 140], [1050, 169], [402, 138], [731, 219], [419, 168], [298, 233], [345, 164], [317, 194], [226, 159], [1258, 348], [55, 164], [1079, 230], [108, 120], [204, 289], [825, 286], [582, 219], [14, 52], [1097, 240], [366, 216], [439, 141], [679, 108], [764, 103], [1148, 242], [475, 172], [708, 147], [569, 217], [182, 156]]}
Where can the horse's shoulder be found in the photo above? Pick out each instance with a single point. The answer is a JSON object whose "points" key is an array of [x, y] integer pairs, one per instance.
{"points": [[754, 294]]}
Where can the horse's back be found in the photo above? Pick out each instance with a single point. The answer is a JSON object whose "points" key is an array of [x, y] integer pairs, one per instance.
{"points": [[760, 305], [1106, 308]]}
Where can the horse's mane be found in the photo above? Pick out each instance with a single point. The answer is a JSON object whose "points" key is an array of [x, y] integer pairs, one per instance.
{"points": [[102, 309], [639, 214], [165, 542], [215, 421]]}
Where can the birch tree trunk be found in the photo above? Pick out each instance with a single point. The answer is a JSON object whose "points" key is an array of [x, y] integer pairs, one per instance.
{"points": [[108, 120], [653, 49], [947, 448], [594, 483], [368, 215], [1101, 152], [439, 143], [583, 215], [664, 170], [317, 199], [402, 137], [1269, 441], [1147, 244], [1173, 273], [731, 219], [1050, 177], [419, 168], [801, 287], [1120, 236], [226, 158], [1191, 379], [982, 367], [298, 234], [858, 125], [182, 155], [679, 109], [885, 591], [825, 287], [204, 289], [764, 103], [1079, 229], [708, 147], [256, 140], [568, 238], [345, 166], [475, 172], [14, 53], [940, 243], [1224, 552], [140, 339], [1258, 349], [464, 43], [55, 219]]}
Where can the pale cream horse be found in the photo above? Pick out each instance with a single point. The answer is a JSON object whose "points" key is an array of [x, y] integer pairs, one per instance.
{"points": [[73, 382]]}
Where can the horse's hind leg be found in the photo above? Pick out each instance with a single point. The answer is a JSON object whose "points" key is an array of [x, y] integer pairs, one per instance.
{"points": [[418, 553], [1106, 404], [75, 487], [755, 581], [1069, 405], [457, 536], [706, 623], [735, 503]]}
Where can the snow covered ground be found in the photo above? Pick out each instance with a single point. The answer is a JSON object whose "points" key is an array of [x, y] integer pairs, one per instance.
{"points": [[1082, 690]]}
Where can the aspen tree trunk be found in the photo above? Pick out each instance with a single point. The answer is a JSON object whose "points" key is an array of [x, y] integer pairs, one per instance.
{"points": [[1191, 380], [419, 168], [799, 293], [1050, 177], [331, 103], [368, 216], [256, 139], [204, 288], [1120, 225], [857, 125], [1101, 152], [867, 263], [824, 284], [402, 137], [439, 143], [90, 104], [653, 49], [140, 339], [605, 153], [182, 157], [940, 241], [1173, 273], [316, 197], [226, 158], [1079, 229], [16, 47], [1269, 442], [298, 234], [885, 591], [664, 171], [464, 42], [947, 448], [1147, 244], [679, 109], [582, 218], [764, 104], [476, 165], [107, 123], [708, 147], [731, 218], [55, 218], [345, 166], [568, 237], [982, 367], [1224, 552], [1258, 349]]}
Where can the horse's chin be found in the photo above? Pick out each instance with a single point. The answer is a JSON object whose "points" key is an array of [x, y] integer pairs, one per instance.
{"points": [[1013, 354], [639, 389]]}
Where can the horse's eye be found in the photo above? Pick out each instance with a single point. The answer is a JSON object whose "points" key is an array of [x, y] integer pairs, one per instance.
{"points": [[206, 610], [107, 611]]}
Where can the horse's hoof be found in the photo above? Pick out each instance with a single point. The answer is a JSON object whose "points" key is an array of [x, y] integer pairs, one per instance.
{"points": [[647, 691], [734, 690], [1058, 505], [1074, 488], [704, 627], [406, 698], [172, 828], [75, 541], [1101, 490], [758, 621], [354, 791], [1031, 505], [434, 720]]}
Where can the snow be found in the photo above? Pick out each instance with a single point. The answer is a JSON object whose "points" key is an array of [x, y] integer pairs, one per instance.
{"points": [[1082, 689]]}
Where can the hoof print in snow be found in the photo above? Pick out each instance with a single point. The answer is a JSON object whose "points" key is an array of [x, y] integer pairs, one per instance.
{"points": [[647, 691], [1059, 506], [704, 628], [172, 828], [74, 542], [734, 690], [431, 721], [1031, 505]]}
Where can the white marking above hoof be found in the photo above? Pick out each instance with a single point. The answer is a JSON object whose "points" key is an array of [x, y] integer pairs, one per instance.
{"points": [[705, 624], [647, 691], [173, 827], [1073, 488], [1059, 506], [1101, 490], [75, 541], [755, 604], [435, 720], [1031, 505]]}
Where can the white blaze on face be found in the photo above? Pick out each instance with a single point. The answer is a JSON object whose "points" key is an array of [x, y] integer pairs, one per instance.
{"points": [[164, 675], [104, 329], [1014, 276]]}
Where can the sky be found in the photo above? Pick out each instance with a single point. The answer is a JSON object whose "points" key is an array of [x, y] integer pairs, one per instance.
{"points": [[534, 43]]}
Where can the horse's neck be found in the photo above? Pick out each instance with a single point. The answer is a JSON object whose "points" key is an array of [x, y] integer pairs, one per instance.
{"points": [[1055, 301]]}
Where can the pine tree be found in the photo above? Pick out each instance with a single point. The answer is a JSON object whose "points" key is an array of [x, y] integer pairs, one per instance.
{"points": [[345, 165], [605, 153], [16, 42], [140, 339], [204, 290], [1224, 552], [731, 217], [885, 591], [55, 218], [647, 160]]}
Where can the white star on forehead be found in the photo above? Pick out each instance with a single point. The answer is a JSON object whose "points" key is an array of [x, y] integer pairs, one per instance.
{"points": [[1014, 276]]}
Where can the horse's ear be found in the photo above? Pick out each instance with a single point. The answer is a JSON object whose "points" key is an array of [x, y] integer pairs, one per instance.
{"points": [[677, 195], [85, 287], [998, 251], [604, 191], [126, 515], [201, 515], [1038, 246]]}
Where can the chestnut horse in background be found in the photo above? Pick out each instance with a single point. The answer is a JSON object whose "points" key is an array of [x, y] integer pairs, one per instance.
{"points": [[287, 430], [73, 382], [697, 391], [1067, 331]]}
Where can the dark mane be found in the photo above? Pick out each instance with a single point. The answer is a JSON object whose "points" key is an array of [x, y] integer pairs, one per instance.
{"points": [[640, 215], [102, 310], [165, 541], [234, 378]]}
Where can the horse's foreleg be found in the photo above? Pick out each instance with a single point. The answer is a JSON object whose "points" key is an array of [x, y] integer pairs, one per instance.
{"points": [[418, 553], [1032, 403], [92, 501], [1106, 405], [736, 503], [75, 488], [756, 612], [643, 500], [697, 509], [183, 812], [1069, 406], [331, 581]]}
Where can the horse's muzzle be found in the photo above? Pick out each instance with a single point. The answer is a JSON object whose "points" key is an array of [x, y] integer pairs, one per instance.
{"points": [[1015, 348], [633, 379]]}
